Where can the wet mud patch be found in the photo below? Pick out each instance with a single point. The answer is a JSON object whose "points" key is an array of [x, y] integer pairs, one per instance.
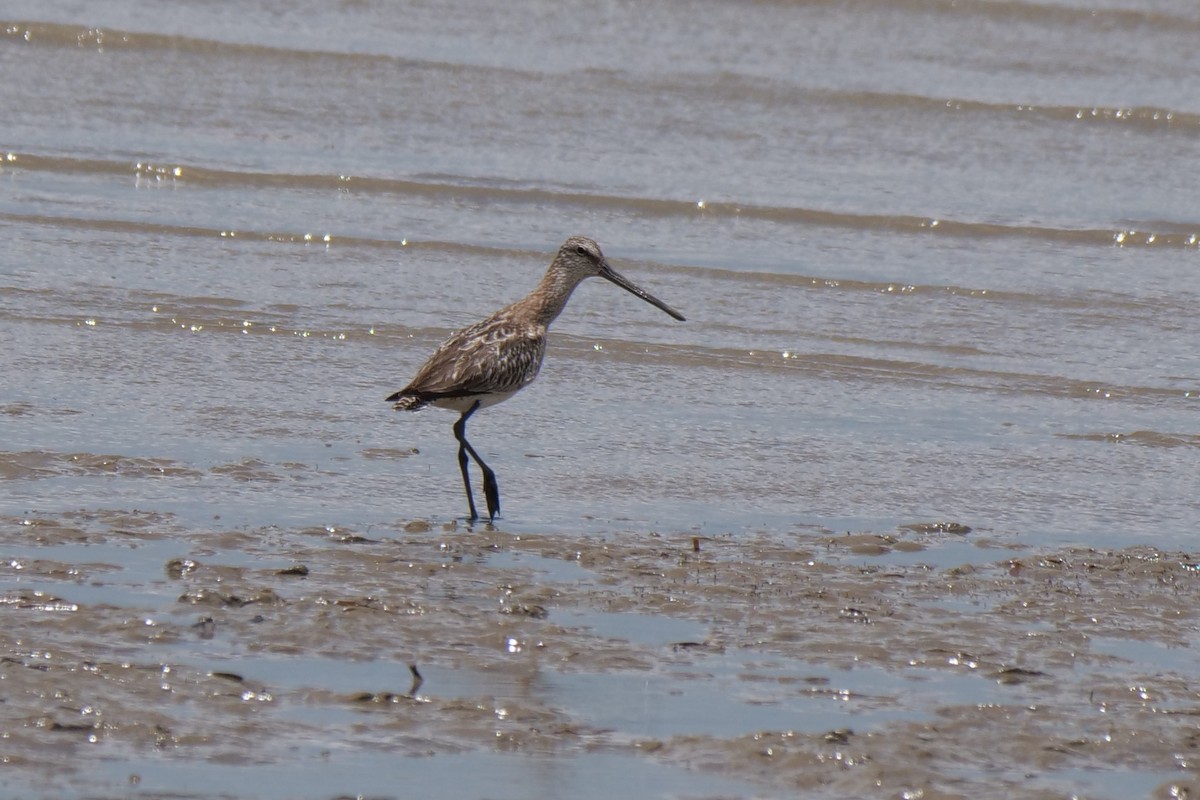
{"points": [[33, 464], [770, 666], [96, 527], [247, 470], [389, 453]]}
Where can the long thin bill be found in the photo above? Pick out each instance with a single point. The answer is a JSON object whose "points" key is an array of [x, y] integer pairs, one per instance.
{"points": [[629, 286]]}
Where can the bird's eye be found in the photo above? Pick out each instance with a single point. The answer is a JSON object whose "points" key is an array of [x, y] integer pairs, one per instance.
{"points": [[581, 250]]}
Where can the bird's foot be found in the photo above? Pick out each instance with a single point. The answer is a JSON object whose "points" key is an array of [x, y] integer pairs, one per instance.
{"points": [[491, 493]]}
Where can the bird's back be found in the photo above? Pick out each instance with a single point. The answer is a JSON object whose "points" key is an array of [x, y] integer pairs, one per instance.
{"points": [[488, 362]]}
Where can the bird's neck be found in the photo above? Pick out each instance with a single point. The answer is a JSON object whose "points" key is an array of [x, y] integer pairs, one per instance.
{"points": [[550, 297]]}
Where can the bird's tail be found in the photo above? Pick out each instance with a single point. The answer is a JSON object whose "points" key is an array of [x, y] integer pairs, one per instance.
{"points": [[405, 402]]}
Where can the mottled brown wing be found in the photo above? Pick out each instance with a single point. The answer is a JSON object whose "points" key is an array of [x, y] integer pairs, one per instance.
{"points": [[493, 356]]}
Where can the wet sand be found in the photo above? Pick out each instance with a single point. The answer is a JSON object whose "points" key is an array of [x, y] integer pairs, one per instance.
{"points": [[829, 538], [830, 664]]}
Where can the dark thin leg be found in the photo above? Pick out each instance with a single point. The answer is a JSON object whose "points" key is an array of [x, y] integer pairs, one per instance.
{"points": [[491, 491], [460, 433], [462, 464]]}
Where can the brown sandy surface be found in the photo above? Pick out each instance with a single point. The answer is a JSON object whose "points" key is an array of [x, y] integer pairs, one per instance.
{"points": [[1020, 674]]}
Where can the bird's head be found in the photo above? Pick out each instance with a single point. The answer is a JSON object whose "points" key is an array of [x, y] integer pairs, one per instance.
{"points": [[580, 258]]}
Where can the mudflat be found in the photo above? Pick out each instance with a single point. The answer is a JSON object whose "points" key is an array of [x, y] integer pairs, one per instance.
{"points": [[142, 653]]}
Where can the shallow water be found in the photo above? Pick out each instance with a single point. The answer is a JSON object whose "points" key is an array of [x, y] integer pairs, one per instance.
{"points": [[936, 260]]}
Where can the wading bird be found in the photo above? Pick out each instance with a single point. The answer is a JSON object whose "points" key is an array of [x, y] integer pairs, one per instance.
{"points": [[492, 360]]}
